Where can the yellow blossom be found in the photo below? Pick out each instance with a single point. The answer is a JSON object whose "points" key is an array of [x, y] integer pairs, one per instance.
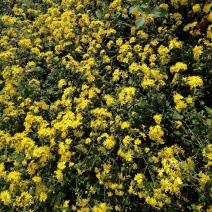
{"points": [[157, 118], [42, 197], [5, 197], [196, 8], [156, 133], [61, 83], [197, 50], [178, 124]]}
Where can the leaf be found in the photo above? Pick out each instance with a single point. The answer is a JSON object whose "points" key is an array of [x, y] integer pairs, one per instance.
{"points": [[158, 12], [207, 150], [145, 1], [144, 9], [209, 110], [81, 149], [191, 166], [208, 122], [182, 165], [98, 13], [177, 116], [194, 207], [140, 21], [131, 10]]}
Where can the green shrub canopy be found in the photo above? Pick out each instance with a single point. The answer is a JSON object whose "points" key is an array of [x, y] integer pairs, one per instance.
{"points": [[105, 105]]}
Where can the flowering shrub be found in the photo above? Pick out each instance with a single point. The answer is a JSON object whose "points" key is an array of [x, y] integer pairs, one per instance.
{"points": [[97, 114]]}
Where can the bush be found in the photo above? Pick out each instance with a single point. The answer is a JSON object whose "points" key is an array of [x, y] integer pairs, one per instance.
{"points": [[105, 105]]}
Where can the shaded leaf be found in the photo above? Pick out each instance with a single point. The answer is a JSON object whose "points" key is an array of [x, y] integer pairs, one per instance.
{"points": [[140, 21], [158, 12], [209, 110], [81, 149], [98, 13]]}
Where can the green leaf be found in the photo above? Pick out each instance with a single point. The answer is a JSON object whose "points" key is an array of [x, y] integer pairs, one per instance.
{"points": [[140, 22], [209, 110], [131, 10], [182, 165], [177, 116], [81, 149], [5, 151], [98, 13], [191, 166], [207, 150], [158, 12], [208, 122], [194, 207], [144, 8], [145, 1]]}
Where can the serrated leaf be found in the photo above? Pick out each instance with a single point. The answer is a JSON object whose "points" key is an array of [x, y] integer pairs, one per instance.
{"points": [[140, 21], [158, 12]]}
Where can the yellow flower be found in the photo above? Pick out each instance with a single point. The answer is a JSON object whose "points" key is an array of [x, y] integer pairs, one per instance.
{"points": [[14, 176], [116, 75], [125, 125], [194, 81], [92, 190], [189, 100], [177, 97], [109, 100], [203, 179], [156, 133], [5, 197], [146, 150], [178, 67], [197, 50], [42, 197], [117, 208], [61, 165], [127, 139], [25, 43], [119, 42], [142, 34], [180, 105], [59, 175], [109, 143], [207, 7], [196, 8], [126, 95], [179, 124], [106, 59], [139, 178], [37, 179], [61, 83], [164, 6], [157, 118], [128, 156], [147, 82]]}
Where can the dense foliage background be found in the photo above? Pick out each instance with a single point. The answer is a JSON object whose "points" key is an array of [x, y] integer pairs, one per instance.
{"points": [[105, 105]]}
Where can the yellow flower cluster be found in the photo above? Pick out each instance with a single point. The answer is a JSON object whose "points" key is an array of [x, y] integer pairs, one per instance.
{"points": [[96, 112]]}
